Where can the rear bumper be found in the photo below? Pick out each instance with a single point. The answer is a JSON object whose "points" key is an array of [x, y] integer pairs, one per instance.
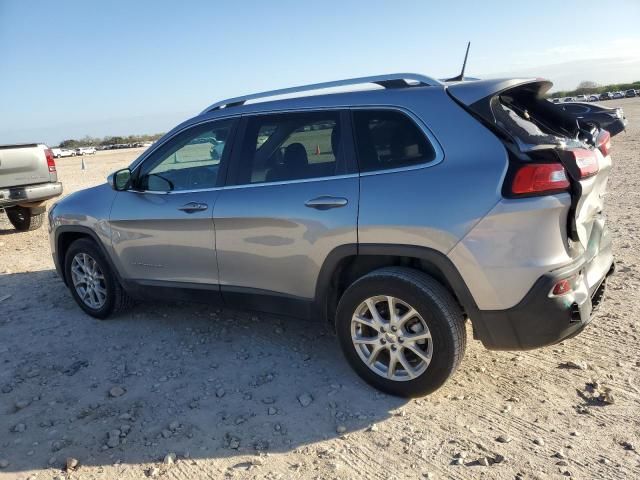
{"points": [[13, 196], [540, 319]]}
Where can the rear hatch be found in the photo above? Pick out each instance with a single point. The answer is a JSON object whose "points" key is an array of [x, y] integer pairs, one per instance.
{"points": [[23, 165], [537, 131]]}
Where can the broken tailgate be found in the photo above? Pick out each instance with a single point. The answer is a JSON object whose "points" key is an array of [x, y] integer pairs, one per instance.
{"points": [[535, 130]]}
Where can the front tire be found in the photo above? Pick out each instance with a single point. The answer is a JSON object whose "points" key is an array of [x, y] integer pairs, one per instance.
{"points": [[92, 282], [23, 219], [401, 331]]}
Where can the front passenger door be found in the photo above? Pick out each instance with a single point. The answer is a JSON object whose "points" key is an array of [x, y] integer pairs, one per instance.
{"points": [[162, 228]]}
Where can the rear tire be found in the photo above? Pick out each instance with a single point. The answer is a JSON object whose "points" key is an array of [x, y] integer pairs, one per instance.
{"points": [[412, 352], [92, 282], [23, 219]]}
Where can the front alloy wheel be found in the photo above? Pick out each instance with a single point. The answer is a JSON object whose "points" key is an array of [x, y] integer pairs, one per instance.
{"points": [[92, 281], [88, 280]]}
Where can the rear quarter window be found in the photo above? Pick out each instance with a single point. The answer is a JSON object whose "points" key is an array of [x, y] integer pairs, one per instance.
{"points": [[387, 139]]}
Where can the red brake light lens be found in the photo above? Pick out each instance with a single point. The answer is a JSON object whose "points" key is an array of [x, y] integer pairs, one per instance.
{"points": [[603, 142], [51, 163], [566, 285], [587, 161], [540, 177], [562, 287]]}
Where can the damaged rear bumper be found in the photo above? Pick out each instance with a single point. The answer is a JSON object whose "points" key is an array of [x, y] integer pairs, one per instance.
{"points": [[541, 319]]}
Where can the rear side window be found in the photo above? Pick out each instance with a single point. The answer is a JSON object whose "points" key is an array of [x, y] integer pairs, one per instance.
{"points": [[293, 146], [388, 139]]}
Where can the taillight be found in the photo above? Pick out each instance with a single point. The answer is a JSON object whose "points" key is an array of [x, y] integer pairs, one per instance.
{"points": [[566, 285], [539, 178], [603, 142], [561, 288], [51, 163], [587, 161]]}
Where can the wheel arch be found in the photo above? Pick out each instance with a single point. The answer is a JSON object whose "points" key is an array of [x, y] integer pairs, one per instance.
{"points": [[67, 234], [347, 263]]}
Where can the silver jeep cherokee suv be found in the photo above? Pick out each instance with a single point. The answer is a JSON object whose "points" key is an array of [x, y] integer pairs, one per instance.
{"points": [[396, 212]]}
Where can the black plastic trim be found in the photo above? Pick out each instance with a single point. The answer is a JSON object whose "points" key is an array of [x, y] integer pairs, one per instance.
{"points": [[433, 257], [173, 291], [538, 320], [59, 261], [267, 301]]}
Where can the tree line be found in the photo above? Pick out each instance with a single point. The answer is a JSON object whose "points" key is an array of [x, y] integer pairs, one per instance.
{"points": [[591, 88], [89, 141]]}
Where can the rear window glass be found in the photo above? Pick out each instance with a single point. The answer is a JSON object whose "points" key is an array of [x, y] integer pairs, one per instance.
{"points": [[388, 139], [519, 124]]}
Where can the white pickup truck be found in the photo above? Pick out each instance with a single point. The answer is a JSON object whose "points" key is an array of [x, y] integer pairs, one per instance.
{"points": [[28, 178]]}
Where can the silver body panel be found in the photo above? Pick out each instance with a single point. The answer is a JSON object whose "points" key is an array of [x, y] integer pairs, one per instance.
{"points": [[267, 239], [153, 240]]}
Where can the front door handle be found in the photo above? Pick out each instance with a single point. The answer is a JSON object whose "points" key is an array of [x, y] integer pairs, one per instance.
{"points": [[326, 202], [193, 207]]}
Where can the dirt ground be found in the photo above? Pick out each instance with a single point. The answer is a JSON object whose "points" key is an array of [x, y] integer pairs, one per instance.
{"points": [[222, 391]]}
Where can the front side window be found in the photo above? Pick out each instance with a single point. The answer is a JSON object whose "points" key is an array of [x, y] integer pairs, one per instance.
{"points": [[291, 146], [189, 162]]}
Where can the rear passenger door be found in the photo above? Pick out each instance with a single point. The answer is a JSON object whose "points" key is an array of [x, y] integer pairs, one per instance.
{"points": [[291, 198]]}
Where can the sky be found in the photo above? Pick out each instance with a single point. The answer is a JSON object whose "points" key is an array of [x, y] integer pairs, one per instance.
{"points": [[71, 68]]}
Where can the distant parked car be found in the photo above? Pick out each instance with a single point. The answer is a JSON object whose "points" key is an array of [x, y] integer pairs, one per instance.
{"points": [[606, 96], [85, 151], [630, 93], [593, 98], [610, 119], [617, 95], [581, 98], [65, 152], [568, 99]]}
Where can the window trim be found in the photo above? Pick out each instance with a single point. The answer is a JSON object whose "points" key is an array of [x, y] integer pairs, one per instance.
{"points": [[439, 152], [162, 147], [348, 161]]}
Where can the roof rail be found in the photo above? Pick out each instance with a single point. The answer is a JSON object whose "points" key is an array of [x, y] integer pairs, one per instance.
{"points": [[392, 80]]}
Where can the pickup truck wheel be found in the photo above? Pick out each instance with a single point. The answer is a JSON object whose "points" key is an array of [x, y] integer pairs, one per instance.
{"points": [[401, 331], [92, 282], [23, 220]]}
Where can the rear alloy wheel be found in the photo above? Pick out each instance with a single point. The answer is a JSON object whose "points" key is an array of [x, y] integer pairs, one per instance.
{"points": [[401, 330], [391, 338], [91, 280]]}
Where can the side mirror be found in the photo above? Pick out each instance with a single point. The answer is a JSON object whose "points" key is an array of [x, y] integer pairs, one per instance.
{"points": [[120, 179]]}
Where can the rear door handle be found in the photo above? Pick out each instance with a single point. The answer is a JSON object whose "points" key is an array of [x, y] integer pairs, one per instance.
{"points": [[326, 202], [193, 207]]}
